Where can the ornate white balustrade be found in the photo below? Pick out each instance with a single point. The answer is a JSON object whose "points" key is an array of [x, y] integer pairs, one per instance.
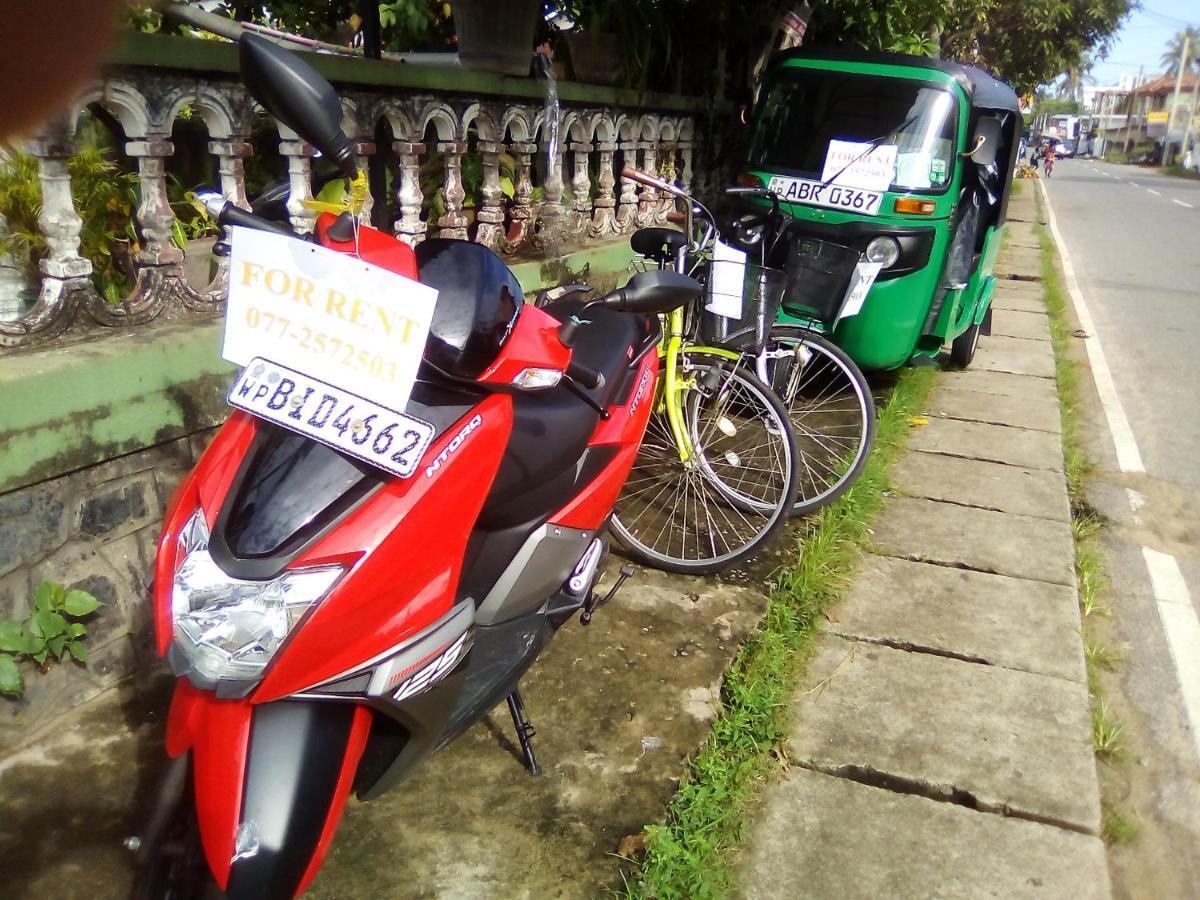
{"points": [[502, 120]]}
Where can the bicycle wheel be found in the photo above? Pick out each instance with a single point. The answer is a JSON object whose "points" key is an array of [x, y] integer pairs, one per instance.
{"points": [[830, 406], [723, 504]]}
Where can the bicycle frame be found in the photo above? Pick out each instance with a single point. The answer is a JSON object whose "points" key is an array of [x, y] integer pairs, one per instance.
{"points": [[672, 349]]}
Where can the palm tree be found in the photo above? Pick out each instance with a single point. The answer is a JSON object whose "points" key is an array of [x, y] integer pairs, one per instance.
{"points": [[1170, 57]]}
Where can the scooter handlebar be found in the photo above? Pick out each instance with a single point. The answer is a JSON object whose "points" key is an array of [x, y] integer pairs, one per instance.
{"points": [[584, 376]]}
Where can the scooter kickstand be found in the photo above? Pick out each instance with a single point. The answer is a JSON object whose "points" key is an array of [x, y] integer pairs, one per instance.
{"points": [[592, 604], [525, 731]]}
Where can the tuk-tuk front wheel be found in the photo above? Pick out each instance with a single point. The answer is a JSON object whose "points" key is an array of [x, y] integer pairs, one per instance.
{"points": [[962, 350]]}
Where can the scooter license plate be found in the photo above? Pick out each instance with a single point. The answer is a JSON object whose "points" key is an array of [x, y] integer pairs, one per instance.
{"points": [[375, 434]]}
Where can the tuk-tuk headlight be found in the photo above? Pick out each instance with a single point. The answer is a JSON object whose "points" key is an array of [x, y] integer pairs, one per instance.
{"points": [[884, 250]]}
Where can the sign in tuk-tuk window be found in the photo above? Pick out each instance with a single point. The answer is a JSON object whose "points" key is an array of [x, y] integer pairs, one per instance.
{"points": [[898, 134]]}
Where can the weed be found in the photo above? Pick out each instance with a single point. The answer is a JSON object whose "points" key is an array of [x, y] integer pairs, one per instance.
{"points": [[1103, 656], [687, 856], [1107, 733], [46, 634], [1118, 829]]}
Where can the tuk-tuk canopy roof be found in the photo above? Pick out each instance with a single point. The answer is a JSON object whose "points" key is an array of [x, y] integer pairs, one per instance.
{"points": [[983, 90]]}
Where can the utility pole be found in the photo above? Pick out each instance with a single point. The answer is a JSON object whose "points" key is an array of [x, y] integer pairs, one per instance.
{"points": [[1129, 117], [1168, 155]]}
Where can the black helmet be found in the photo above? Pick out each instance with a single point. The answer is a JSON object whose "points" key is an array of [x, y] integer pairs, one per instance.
{"points": [[477, 304]]}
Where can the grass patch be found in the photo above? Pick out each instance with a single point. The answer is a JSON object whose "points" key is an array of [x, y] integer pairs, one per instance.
{"points": [[1107, 733], [1117, 829], [688, 856], [1180, 172], [1086, 525]]}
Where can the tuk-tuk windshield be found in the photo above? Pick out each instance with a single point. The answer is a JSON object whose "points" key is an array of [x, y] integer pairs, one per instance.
{"points": [[805, 109]]}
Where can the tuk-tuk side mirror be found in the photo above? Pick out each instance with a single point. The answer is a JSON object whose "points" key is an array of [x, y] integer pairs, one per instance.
{"points": [[986, 141]]}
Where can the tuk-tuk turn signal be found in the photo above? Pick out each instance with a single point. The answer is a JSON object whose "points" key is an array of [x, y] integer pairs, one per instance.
{"points": [[914, 206]]}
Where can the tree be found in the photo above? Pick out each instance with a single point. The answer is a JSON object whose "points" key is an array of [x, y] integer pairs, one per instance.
{"points": [[1024, 43], [1170, 57]]}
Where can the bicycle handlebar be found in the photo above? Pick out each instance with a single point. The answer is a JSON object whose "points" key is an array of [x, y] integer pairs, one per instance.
{"points": [[645, 178]]}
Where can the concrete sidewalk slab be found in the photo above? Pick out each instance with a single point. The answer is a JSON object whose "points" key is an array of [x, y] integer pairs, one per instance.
{"points": [[856, 842], [1037, 411], [1014, 741], [1020, 301], [966, 614], [1004, 384], [972, 482], [1031, 326], [994, 443], [1019, 261], [980, 539], [1018, 357]]}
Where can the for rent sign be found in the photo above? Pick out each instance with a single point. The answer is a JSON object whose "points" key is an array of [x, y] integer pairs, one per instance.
{"points": [[327, 315]]}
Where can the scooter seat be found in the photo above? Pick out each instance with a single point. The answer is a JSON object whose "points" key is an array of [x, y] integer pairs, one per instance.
{"points": [[551, 428]]}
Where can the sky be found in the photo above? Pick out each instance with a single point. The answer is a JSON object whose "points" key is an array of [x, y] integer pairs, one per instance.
{"points": [[1144, 37]]}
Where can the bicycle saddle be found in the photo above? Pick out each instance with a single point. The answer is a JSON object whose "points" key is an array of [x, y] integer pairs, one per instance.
{"points": [[658, 244]]}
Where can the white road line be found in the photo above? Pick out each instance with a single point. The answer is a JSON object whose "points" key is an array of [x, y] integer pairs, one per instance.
{"points": [[1154, 192], [1179, 621], [1181, 203], [1128, 457], [1171, 596], [1134, 184]]}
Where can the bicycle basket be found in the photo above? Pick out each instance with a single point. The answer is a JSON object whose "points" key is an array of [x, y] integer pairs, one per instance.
{"points": [[818, 275], [762, 293]]}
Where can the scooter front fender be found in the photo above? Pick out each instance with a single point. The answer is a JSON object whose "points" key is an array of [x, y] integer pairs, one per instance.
{"points": [[278, 773]]}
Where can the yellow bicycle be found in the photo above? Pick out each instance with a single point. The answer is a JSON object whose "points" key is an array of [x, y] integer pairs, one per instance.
{"points": [[715, 477]]}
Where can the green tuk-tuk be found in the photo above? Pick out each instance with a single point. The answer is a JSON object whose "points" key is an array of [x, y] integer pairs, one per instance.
{"points": [[897, 165]]}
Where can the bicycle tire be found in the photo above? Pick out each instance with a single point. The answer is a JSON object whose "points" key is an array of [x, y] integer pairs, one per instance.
{"points": [[666, 502], [822, 450]]}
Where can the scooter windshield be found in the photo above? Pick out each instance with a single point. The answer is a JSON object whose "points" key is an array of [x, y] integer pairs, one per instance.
{"points": [[804, 110]]}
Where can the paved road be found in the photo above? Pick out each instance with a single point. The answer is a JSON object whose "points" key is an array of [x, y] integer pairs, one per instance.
{"points": [[1133, 237]]}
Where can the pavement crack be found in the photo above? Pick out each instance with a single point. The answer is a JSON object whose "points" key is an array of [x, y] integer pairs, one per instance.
{"points": [[957, 564], [1018, 276], [998, 462], [940, 793], [966, 417], [910, 647], [956, 502]]}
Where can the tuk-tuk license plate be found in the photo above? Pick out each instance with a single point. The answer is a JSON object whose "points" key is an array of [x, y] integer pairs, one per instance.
{"points": [[382, 437], [831, 196]]}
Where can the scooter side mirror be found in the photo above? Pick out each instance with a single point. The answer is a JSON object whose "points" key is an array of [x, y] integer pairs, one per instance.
{"points": [[650, 293], [296, 94]]}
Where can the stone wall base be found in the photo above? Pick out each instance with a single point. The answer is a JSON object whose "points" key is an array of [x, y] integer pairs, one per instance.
{"points": [[93, 529]]}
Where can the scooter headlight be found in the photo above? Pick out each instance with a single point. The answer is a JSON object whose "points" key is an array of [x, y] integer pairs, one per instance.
{"points": [[883, 249], [227, 628]]}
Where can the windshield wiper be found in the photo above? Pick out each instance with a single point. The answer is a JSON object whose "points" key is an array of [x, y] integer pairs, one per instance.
{"points": [[871, 147]]}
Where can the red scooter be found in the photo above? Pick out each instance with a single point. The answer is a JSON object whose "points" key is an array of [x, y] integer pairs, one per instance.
{"points": [[331, 624]]}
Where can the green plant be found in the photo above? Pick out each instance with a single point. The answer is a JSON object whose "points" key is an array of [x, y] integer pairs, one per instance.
{"points": [[1107, 733], [104, 197], [1117, 829], [45, 635]]}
